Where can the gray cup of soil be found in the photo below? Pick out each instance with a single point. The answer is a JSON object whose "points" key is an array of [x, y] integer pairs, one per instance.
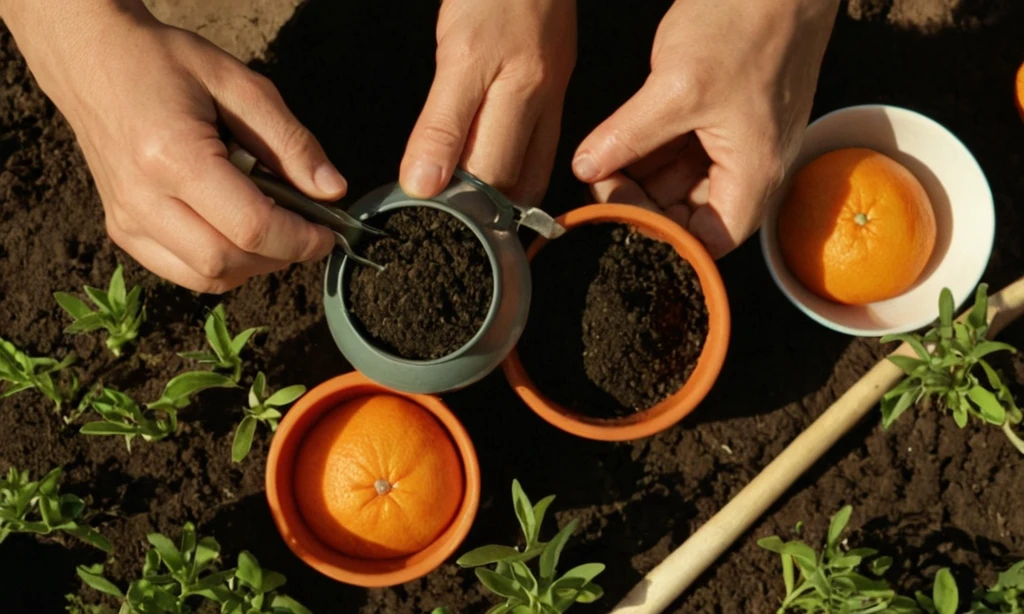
{"points": [[454, 295]]}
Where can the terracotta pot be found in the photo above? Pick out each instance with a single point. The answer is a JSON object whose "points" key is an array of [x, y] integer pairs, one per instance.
{"points": [[362, 572], [709, 364]]}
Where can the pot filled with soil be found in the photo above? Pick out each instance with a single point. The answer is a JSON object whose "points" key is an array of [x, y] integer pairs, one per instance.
{"points": [[638, 333], [452, 298], [370, 486]]}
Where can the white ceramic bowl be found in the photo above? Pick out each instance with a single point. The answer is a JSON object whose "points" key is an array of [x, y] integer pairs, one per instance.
{"points": [[960, 195]]}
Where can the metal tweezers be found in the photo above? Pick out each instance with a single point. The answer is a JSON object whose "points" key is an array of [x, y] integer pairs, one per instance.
{"points": [[346, 228]]}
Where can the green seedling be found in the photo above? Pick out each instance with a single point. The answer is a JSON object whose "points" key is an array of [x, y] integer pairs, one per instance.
{"points": [[22, 372], [253, 590], [174, 577], [1006, 596], [75, 605], [226, 349], [122, 415], [39, 507], [262, 409], [830, 581], [945, 595], [524, 591], [120, 313], [948, 373]]}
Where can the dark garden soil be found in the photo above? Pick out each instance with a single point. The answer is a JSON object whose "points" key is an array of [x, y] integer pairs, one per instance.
{"points": [[617, 323], [435, 290], [927, 493]]}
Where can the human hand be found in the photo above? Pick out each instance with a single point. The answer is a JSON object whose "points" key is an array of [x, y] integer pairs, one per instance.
{"points": [[710, 135], [145, 100], [495, 105]]}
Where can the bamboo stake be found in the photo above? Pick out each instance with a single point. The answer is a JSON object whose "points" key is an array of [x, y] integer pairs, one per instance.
{"points": [[663, 584]]}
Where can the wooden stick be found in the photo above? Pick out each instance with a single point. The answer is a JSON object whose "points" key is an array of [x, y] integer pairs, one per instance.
{"points": [[663, 584]]}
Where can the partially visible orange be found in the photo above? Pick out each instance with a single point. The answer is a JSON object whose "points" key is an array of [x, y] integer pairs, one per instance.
{"points": [[378, 477], [856, 227], [1020, 91]]}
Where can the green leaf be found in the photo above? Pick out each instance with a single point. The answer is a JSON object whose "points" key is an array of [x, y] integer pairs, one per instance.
{"points": [[988, 405], [272, 581], [100, 298], [93, 577], [116, 291], [549, 558], [100, 427], [978, 318], [91, 537], [500, 585], [880, 565], [913, 341], [590, 593], [207, 551], [217, 332], [249, 571], [75, 306], [243, 439], [583, 573], [182, 387], [88, 323], [960, 416], [539, 511], [524, 576], [772, 543], [238, 343], [987, 347], [286, 396], [167, 550], [485, 555], [524, 510], [803, 555], [945, 593], [908, 365], [946, 314], [837, 524], [284, 603], [258, 390], [894, 407]]}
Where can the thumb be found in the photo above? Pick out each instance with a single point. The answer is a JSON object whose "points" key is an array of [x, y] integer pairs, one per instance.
{"points": [[640, 126], [257, 116]]}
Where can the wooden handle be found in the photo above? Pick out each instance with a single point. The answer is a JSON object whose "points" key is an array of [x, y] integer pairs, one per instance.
{"points": [[663, 584]]}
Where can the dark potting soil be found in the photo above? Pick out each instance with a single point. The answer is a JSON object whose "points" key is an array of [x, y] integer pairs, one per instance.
{"points": [[618, 321], [435, 290], [927, 493]]}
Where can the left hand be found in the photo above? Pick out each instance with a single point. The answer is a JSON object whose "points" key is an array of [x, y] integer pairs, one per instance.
{"points": [[709, 137], [495, 105]]}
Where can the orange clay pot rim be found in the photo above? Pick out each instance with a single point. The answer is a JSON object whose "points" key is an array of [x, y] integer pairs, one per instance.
{"points": [[709, 364], [352, 570]]}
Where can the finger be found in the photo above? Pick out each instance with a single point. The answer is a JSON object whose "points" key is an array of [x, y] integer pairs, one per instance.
{"points": [[177, 227], [737, 193], [619, 189], [160, 261], [644, 123], [673, 182], [539, 159], [437, 140], [501, 133], [659, 158], [232, 204], [257, 116]]}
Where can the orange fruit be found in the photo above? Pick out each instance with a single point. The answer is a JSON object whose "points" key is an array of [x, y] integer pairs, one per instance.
{"points": [[856, 227], [378, 477], [1020, 91]]}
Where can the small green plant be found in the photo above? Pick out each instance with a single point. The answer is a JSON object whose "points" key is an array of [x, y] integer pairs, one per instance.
{"points": [[122, 415], [75, 605], [39, 507], [120, 313], [948, 373], [830, 582], [22, 372], [175, 576], [524, 591], [226, 349], [1005, 597], [262, 408]]}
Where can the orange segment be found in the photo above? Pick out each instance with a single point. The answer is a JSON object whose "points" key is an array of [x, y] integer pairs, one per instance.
{"points": [[378, 477], [1020, 91], [856, 227]]}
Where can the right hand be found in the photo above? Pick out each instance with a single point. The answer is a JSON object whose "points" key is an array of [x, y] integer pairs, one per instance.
{"points": [[145, 100]]}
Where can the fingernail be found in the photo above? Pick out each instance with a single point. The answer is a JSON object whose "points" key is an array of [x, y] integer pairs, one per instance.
{"points": [[423, 179], [329, 180], [585, 167]]}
